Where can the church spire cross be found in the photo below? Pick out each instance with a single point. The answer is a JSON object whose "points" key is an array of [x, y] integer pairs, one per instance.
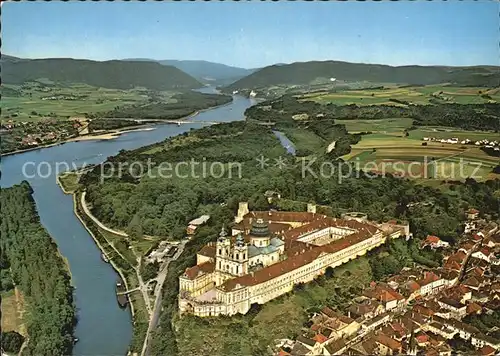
{"points": [[223, 233]]}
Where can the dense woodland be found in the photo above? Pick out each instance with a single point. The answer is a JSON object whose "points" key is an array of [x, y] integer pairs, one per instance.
{"points": [[307, 72], [187, 103], [109, 74], [39, 271], [467, 117], [163, 206]]}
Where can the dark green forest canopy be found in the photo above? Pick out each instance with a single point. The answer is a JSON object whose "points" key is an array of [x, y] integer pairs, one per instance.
{"points": [[187, 103], [468, 117], [306, 72], [109, 74], [163, 206], [39, 271]]}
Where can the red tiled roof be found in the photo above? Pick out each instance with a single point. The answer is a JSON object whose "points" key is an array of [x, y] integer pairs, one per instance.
{"points": [[326, 222], [320, 338], [473, 308], [193, 272], [476, 237], [276, 228], [472, 282], [487, 350], [382, 292], [414, 286], [429, 277], [208, 251], [422, 338], [283, 353], [485, 251], [334, 315], [423, 310], [301, 254], [432, 239], [283, 216], [473, 211], [387, 341], [467, 246]]}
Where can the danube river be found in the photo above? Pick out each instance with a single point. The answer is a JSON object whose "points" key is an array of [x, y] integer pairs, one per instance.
{"points": [[103, 328]]}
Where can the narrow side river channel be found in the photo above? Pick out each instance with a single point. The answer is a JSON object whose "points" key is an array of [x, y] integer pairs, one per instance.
{"points": [[103, 328]]}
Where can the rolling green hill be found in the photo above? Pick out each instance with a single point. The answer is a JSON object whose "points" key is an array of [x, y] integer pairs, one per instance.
{"points": [[109, 74], [303, 73], [204, 71]]}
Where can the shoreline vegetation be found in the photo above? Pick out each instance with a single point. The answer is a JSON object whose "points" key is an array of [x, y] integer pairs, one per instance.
{"points": [[37, 268], [115, 133], [185, 198], [68, 183], [105, 135]]}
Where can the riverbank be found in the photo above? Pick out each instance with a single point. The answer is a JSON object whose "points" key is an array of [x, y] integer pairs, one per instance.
{"points": [[44, 278], [103, 328], [111, 134], [65, 187], [138, 309], [105, 135], [76, 206], [197, 112]]}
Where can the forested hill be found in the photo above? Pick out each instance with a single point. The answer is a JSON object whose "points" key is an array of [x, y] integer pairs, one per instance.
{"points": [[303, 73], [208, 72], [29, 259], [109, 74]]}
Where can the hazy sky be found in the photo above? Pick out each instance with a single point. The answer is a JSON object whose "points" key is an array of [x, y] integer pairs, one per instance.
{"points": [[254, 34]]}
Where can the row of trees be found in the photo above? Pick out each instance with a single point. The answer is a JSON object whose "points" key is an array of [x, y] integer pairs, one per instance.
{"points": [[40, 273]]}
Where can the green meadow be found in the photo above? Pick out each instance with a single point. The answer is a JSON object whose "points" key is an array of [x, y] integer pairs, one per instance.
{"points": [[34, 101], [423, 95]]}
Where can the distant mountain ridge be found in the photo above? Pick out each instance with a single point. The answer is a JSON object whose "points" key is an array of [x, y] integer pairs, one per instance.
{"points": [[205, 71], [108, 74], [303, 73]]}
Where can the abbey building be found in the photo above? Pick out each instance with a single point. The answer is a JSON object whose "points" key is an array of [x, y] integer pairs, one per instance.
{"points": [[267, 253]]}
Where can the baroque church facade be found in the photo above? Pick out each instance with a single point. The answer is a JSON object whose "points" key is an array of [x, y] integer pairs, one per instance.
{"points": [[267, 253]]}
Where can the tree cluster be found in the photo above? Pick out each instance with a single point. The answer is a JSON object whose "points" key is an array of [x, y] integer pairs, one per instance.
{"points": [[40, 273]]}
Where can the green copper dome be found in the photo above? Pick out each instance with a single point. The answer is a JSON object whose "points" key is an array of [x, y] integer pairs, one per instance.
{"points": [[260, 228]]}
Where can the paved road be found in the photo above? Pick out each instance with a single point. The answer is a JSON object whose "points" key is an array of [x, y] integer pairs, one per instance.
{"points": [[94, 219], [153, 321]]}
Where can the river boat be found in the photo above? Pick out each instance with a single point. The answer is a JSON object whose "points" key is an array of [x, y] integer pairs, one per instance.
{"points": [[121, 298]]}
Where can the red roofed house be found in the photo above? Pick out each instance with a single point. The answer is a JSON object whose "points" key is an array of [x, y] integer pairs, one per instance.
{"points": [[430, 283], [434, 242], [384, 294], [484, 253], [472, 214], [487, 351], [473, 308]]}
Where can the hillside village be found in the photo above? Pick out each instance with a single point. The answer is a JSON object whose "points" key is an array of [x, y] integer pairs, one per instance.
{"points": [[483, 143], [420, 311]]}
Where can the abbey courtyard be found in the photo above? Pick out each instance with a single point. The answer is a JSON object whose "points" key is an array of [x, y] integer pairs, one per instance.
{"points": [[268, 252]]}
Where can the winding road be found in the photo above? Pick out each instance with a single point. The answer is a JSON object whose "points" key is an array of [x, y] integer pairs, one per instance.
{"points": [[153, 321]]}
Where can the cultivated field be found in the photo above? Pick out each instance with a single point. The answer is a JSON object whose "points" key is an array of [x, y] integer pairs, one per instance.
{"points": [[440, 132], [406, 156], [34, 101], [416, 95], [394, 126], [305, 140]]}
